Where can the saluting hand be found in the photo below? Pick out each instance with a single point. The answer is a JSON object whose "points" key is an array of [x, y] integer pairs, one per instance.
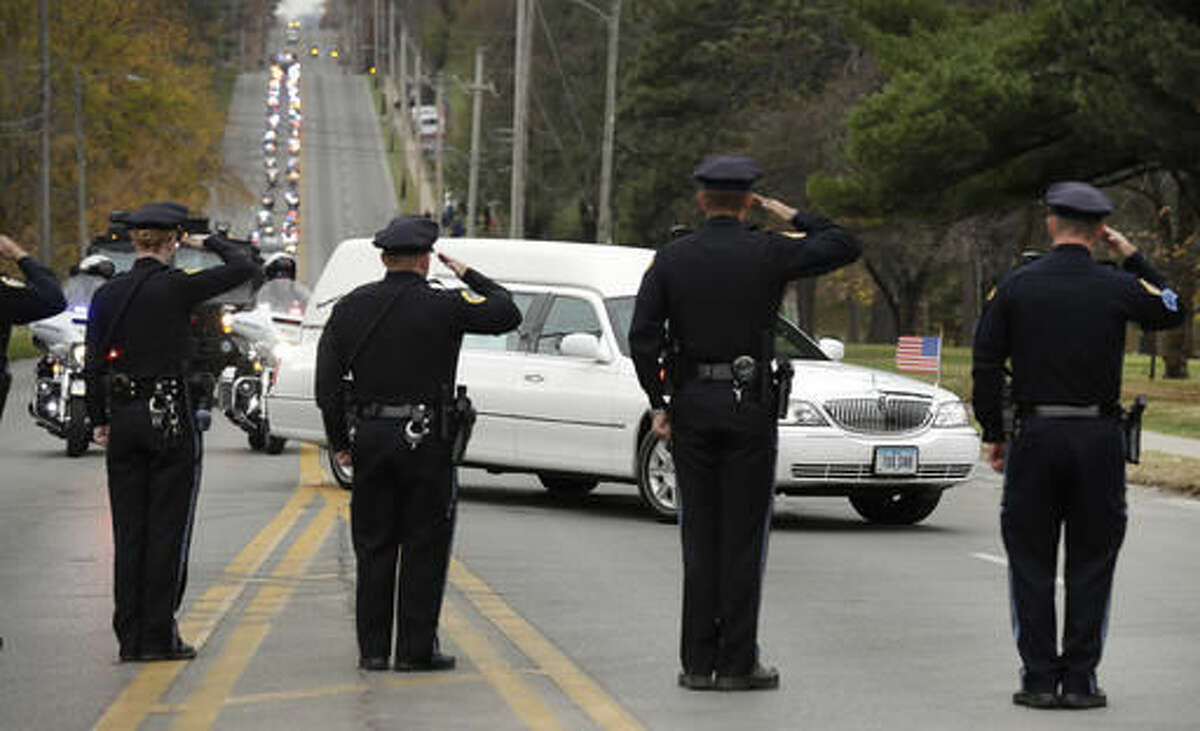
{"points": [[455, 265], [9, 249], [194, 241], [1117, 243], [778, 208]]}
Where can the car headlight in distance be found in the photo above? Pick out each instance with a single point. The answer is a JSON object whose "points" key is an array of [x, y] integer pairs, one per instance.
{"points": [[952, 413], [803, 413], [78, 353]]}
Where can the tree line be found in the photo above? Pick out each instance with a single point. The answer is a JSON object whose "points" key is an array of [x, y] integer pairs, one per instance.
{"points": [[933, 126], [145, 82]]}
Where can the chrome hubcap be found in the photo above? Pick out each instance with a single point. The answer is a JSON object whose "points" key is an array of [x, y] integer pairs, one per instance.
{"points": [[660, 472]]}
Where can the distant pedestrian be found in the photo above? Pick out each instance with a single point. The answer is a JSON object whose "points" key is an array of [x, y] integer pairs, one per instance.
{"points": [[37, 297], [399, 338], [1060, 320], [717, 293]]}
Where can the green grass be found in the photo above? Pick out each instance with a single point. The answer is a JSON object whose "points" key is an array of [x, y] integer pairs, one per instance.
{"points": [[406, 196], [21, 344], [1174, 405]]}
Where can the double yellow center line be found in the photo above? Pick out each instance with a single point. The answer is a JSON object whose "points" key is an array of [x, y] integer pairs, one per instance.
{"points": [[145, 693]]}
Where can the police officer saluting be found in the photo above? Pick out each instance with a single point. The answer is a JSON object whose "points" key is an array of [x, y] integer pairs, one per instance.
{"points": [[1061, 320], [718, 291], [137, 347], [403, 367], [37, 297]]}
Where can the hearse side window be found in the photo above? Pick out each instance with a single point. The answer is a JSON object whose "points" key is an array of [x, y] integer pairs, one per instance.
{"points": [[567, 315], [792, 343], [507, 342]]}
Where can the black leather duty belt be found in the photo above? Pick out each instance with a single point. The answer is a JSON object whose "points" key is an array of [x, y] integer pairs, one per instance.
{"points": [[1068, 411], [132, 388], [389, 411], [714, 371]]}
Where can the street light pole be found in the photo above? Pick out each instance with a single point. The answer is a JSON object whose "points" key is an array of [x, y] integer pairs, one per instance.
{"points": [[45, 251], [81, 162], [604, 234], [524, 48], [477, 90]]}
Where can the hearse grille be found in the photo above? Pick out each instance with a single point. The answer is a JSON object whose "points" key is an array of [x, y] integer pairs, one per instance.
{"points": [[881, 415], [833, 472]]}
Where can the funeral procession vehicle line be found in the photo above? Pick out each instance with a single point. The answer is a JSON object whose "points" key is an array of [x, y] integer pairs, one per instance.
{"points": [[475, 620]]}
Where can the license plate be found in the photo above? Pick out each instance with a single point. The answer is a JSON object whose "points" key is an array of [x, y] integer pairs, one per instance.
{"points": [[895, 460]]}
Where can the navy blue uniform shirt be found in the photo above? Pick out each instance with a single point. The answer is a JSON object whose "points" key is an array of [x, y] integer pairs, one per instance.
{"points": [[1061, 319], [720, 288]]}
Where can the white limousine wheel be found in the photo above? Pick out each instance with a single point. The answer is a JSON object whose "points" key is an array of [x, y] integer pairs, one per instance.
{"points": [[656, 478], [343, 476], [896, 505]]}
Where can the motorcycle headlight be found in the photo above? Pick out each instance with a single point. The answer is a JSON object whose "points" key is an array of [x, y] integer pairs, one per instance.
{"points": [[803, 413], [227, 322], [78, 353], [952, 413]]}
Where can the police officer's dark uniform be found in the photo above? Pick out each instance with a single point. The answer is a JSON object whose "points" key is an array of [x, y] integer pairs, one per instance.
{"points": [[137, 348], [399, 340], [1061, 320], [718, 292], [37, 297]]}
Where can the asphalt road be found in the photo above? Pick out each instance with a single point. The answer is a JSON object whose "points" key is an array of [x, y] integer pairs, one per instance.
{"points": [[563, 615]]}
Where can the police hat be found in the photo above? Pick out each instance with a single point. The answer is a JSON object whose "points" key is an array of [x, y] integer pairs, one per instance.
{"points": [[162, 215], [727, 172], [407, 235], [1073, 199]]}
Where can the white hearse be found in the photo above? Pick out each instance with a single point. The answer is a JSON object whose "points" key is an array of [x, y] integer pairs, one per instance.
{"points": [[559, 397]]}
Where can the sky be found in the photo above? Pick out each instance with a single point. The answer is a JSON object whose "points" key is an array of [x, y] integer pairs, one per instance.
{"points": [[293, 8]]}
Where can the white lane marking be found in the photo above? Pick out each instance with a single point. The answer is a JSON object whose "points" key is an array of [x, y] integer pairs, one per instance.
{"points": [[1001, 561]]}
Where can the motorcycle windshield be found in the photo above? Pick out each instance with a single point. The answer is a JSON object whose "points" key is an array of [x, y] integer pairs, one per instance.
{"points": [[78, 291], [285, 298]]}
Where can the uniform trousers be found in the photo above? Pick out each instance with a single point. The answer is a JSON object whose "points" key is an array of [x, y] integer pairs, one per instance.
{"points": [[724, 455], [1063, 474], [152, 489], [402, 507]]}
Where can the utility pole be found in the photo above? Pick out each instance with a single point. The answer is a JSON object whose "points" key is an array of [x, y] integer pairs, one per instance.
{"points": [[604, 234], [439, 152], [375, 44], [45, 252], [81, 162], [477, 90], [524, 49], [391, 39], [403, 80]]}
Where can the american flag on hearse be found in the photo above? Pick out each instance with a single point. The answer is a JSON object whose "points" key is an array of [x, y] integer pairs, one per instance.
{"points": [[920, 354]]}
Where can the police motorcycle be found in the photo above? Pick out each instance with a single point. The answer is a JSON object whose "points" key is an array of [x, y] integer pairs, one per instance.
{"points": [[57, 402], [258, 334]]}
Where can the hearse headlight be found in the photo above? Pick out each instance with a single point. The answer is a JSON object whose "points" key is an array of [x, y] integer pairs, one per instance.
{"points": [[952, 413], [78, 353], [803, 413]]}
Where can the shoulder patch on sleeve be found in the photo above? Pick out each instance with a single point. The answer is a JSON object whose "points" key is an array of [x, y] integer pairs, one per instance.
{"points": [[15, 283], [1170, 300], [991, 295], [1150, 288], [471, 297], [795, 234]]}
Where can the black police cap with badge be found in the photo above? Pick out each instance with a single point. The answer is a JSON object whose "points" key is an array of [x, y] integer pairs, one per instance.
{"points": [[1072, 199], [163, 215], [727, 172], [407, 235]]}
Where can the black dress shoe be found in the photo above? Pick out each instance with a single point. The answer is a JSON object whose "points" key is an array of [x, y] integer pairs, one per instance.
{"points": [[437, 661], [696, 681], [374, 663], [760, 678], [1083, 701], [1035, 699], [180, 651]]}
